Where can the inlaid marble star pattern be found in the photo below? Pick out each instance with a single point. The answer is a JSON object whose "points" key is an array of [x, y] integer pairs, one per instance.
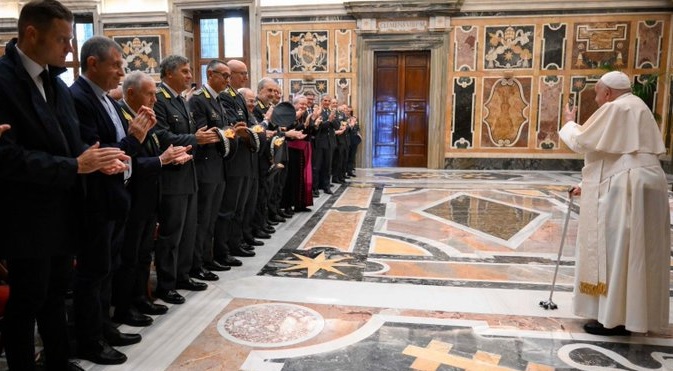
{"points": [[314, 265]]}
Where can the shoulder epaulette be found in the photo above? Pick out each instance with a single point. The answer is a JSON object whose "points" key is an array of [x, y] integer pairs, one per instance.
{"points": [[165, 92]]}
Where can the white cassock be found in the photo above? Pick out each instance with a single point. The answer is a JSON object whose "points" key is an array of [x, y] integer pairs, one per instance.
{"points": [[622, 273]]}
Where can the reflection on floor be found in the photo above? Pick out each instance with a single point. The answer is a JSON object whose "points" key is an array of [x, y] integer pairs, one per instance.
{"points": [[402, 270]]}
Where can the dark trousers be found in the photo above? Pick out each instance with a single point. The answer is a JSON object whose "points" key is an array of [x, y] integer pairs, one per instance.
{"points": [[209, 201], [228, 227], [265, 184], [138, 245], [322, 166], [174, 247], [96, 262], [250, 207], [352, 152], [338, 160], [37, 293]]}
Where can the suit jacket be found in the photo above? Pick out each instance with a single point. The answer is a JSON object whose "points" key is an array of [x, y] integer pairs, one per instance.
{"points": [[176, 126], [210, 158], [243, 163], [106, 193], [40, 191], [324, 134], [145, 185]]}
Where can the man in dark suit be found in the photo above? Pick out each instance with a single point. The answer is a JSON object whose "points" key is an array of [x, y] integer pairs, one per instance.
{"points": [[107, 202], [178, 206], [42, 156], [130, 283], [210, 168], [324, 144]]}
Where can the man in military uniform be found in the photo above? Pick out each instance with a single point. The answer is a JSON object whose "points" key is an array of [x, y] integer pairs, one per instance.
{"points": [[210, 167], [130, 284], [178, 208], [241, 174]]}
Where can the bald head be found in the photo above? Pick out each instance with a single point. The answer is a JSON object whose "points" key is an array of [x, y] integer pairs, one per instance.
{"points": [[239, 74]]}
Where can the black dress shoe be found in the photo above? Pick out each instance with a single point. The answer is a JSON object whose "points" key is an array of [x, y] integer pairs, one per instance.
{"points": [[285, 215], [229, 261], [352, 174], [147, 307], [316, 193], [216, 267], [260, 233], [271, 222], [303, 210], [204, 275], [132, 318], [269, 229], [254, 242], [289, 211], [596, 328], [241, 253], [277, 219], [191, 285], [328, 191], [101, 353], [337, 181], [170, 296], [244, 246], [119, 339]]}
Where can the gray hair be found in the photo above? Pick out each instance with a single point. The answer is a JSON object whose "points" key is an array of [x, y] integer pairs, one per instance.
{"points": [[171, 64], [134, 80], [99, 48], [296, 98], [263, 82]]}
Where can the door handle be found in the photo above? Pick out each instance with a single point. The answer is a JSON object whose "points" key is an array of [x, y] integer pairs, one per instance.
{"points": [[397, 127]]}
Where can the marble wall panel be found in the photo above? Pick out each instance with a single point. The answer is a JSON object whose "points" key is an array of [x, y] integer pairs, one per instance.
{"points": [[505, 119], [465, 54], [274, 52], [650, 35], [601, 43], [318, 87], [582, 92], [553, 46], [342, 90], [343, 47], [462, 130], [309, 51], [549, 113], [509, 47]]}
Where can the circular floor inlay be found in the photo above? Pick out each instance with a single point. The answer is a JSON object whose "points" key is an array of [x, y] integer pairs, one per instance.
{"points": [[270, 325]]}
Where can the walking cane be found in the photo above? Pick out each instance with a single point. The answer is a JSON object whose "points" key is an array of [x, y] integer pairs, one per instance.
{"points": [[549, 304]]}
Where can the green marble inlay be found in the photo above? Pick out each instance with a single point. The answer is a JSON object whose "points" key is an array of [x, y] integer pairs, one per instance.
{"points": [[494, 218]]}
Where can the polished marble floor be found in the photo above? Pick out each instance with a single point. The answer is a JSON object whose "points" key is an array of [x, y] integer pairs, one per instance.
{"points": [[402, 270]]}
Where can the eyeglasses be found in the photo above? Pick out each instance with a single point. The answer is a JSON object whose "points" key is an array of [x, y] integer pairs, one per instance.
{"points": [[242, 73], [225, 76]]}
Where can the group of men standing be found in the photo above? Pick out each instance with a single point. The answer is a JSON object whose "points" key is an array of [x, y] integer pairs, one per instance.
{"points": [[88, 176]]}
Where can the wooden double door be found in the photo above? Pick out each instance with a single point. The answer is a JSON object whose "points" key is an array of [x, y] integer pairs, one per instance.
{"points": [[401, 89]]}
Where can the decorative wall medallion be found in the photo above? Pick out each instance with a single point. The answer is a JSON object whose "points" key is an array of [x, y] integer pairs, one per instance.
{"points": [[274, 51], [505, 113], [601, 44], [465, 55], [650, 34], [318, 86], [308, 51], [270, 325], [343, 46], [141, 53], [509, 47]]}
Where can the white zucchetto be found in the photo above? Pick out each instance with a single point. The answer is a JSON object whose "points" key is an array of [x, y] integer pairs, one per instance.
{"points": [[616, 80]]}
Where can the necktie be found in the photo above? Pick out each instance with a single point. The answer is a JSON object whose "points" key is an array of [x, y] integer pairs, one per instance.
{"points": [[48, 89]]}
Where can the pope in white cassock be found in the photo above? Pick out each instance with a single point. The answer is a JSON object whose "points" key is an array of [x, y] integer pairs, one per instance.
{"points": [[623, 244]]}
